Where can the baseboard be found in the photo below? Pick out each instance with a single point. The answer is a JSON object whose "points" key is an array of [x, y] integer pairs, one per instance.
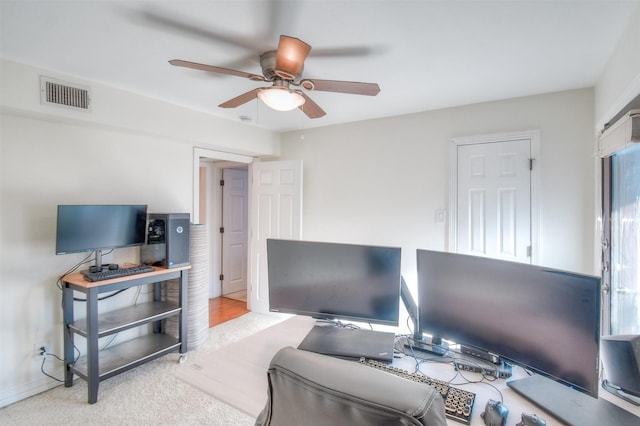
{"points": [[10, 395]]}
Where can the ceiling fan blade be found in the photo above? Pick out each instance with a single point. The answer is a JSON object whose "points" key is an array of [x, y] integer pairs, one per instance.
{"points": [[171, 21], [239, 100], [352, 87], [342, 52], [212, 68], [290, 57], [310, 108]]}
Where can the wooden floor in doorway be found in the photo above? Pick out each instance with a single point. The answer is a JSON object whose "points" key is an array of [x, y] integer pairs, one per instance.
{"points": [[223, 309]]}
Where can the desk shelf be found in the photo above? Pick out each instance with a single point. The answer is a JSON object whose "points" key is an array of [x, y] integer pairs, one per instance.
{"points": [[129, 317], [127, 355], [97, 365]]}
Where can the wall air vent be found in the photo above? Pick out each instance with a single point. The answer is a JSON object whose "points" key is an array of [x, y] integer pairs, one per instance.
{"points": [[60, 93]]}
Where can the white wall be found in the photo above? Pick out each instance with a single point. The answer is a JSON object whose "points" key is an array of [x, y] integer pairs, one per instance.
{"points": [[382, 181], [128, 149], [373, 182]]}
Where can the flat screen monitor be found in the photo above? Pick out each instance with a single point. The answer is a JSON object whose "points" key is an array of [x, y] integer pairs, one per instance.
{"points": [[85, 228], [334, 280], [543, 319]]}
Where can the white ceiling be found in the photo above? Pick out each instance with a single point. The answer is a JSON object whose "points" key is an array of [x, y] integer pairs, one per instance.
{"points": [[424, 54]]}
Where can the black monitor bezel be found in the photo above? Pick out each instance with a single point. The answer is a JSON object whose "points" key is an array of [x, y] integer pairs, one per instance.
{"points": [[336, 315], [458, 337], [141, 225]]}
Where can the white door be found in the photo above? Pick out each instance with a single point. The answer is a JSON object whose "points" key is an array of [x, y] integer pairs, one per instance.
{"points": [[235, 194], [494, 199], [276, 212]]}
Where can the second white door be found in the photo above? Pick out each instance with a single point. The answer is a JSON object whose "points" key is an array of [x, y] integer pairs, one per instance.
{"points": [[494, 199], [235, 195]]}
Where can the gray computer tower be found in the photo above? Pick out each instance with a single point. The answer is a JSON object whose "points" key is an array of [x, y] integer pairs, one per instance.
{"points": [[167, 242]]}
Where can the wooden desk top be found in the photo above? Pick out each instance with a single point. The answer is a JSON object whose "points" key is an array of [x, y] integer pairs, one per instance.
{"points": [[78, 279]]}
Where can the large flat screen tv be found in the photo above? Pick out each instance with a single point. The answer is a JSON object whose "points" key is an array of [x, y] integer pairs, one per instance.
{"points": [[543, 319], [334, 281], [86, 228]]}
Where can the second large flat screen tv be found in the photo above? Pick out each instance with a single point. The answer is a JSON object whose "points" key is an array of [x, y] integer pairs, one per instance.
{"points": [[543, 319], [334, 280]]}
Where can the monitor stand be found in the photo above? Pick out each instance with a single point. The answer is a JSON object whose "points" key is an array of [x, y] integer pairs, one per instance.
{"points": [[569, 405]]}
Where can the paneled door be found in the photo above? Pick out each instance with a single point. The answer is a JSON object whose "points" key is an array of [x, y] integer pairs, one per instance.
{"points": [[493, 199], [276, 212], [235, 194]]}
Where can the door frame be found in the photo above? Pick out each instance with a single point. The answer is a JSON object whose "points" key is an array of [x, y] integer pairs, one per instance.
{"points": [[220, 160], [210, 154], [534, 137]]}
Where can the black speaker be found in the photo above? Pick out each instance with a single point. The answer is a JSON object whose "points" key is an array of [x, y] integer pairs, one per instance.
{"points": [[167, 240], [621, 359]]}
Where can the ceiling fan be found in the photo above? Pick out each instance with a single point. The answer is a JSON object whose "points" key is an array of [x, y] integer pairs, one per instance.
{"points": [[283, 67]]}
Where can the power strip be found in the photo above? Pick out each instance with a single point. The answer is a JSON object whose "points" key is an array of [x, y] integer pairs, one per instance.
{"points": [[500, 372], [487, 356]]}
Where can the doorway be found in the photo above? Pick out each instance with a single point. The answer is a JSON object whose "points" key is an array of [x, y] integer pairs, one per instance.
{"points": [[208, 166], [223, 193]]}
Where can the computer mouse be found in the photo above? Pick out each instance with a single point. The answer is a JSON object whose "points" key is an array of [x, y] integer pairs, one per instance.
{"points": [[495, 413], [113, 266], [531, 420]]}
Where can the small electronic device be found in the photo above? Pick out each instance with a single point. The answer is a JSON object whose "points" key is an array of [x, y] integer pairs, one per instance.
{"points": [[529, 419], [502, 371], [168, 240], [495, 413]]}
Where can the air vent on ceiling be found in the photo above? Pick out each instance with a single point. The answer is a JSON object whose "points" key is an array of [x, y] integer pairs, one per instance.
{"points": [[56, 92]]}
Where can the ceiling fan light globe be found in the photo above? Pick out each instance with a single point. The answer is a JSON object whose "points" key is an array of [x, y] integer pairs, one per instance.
{"points": [[280, 99]]}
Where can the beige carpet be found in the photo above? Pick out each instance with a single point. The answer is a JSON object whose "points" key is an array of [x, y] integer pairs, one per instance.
{"points": [[237, 374], [147, 395]]}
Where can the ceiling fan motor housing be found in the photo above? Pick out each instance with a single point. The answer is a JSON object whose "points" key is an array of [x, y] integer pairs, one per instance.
{"points": [[268, 64]]}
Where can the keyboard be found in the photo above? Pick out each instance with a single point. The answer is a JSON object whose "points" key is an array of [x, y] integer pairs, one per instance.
{"points": [[458, 403], [107, 274]]}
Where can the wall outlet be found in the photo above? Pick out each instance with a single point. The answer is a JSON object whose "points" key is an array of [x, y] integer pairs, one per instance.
{"points": [[40, 350], [441, 216]]}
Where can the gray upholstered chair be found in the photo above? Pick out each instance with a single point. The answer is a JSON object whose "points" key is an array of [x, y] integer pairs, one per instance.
{"points": [[306, 388]]}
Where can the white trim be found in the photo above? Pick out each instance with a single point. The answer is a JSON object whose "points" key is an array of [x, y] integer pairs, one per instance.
{"points": [[199, 153], [534, 137]]}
